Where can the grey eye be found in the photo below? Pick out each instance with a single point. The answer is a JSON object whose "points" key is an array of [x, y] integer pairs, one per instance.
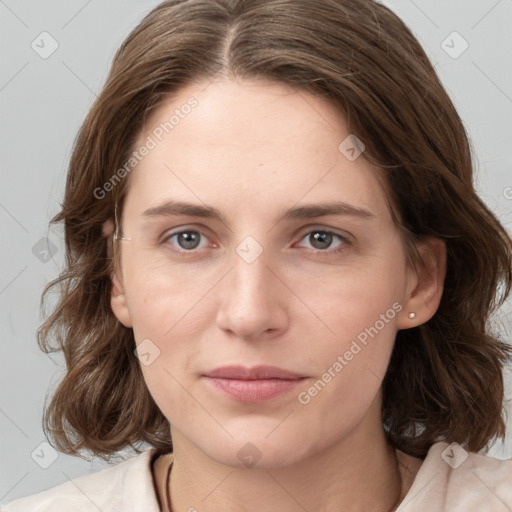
{"points": [[320, 239], [187, 240]]}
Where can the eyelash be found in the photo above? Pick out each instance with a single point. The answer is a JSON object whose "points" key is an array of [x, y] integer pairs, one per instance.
{"points": [[344, 241]]}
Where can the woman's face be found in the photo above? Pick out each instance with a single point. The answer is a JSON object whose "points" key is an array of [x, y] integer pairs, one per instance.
{"points": [[287, 256]]}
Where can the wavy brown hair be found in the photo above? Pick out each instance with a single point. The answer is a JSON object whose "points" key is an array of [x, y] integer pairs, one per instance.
{"points": [[444, 380]]}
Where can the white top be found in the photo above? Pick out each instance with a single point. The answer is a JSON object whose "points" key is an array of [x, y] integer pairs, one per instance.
{"points": [[449, 479]]}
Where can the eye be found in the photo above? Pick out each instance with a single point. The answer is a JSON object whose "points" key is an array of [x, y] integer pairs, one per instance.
{"points": [[186, 240], [321, 239]]}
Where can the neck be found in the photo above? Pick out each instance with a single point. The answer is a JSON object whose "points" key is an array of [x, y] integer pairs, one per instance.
{"points": [[359, 473]]}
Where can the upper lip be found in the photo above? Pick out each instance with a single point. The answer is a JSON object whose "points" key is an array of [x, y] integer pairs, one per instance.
{"points": [[254, 373]]}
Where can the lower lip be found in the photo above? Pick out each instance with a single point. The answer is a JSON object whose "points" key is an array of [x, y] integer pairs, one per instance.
{"points": [[254, 390]]}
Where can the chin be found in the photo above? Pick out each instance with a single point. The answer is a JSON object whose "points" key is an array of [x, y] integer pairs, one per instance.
{"points": [[255, 447]]}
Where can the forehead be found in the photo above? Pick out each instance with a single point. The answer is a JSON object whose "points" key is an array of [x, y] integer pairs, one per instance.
{"points": [[253, 142]]}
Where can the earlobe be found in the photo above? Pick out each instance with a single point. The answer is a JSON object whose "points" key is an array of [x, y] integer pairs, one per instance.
{"points": [[118, 302], [426, 290]]}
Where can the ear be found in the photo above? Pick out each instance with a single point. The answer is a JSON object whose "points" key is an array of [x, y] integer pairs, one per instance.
{"points": [[425, 285], [118, 301]]}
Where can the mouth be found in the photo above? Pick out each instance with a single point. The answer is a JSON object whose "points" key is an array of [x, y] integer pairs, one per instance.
{"points": [[256, 384]]}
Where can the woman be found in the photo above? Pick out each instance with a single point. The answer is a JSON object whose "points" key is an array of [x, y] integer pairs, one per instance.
{"points": [[279, 274]]}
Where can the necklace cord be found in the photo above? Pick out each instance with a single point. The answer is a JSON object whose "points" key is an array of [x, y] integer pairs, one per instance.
{"points": [[167, 495]]}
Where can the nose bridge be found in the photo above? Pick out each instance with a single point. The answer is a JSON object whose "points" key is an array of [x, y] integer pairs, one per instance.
{"points": [[251, 279], [251, 302]]}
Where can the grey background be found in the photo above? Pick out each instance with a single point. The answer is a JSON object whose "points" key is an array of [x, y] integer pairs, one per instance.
{"points": [[44, 101]]}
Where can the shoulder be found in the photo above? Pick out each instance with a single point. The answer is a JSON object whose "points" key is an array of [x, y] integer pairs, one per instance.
{"points": [[127, 485], [454, 480]]}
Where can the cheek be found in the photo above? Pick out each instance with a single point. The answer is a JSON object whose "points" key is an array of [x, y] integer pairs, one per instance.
{"points": [[167, 321], [360, 311], [356, 298], [349, 367], [164, 298]]}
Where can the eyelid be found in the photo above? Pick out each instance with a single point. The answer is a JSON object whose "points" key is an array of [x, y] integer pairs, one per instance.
{"points": [[326, 229], [186, 227]]}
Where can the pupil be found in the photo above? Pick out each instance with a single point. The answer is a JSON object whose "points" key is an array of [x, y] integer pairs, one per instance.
{"points": [[188, 240], [322, 237]]}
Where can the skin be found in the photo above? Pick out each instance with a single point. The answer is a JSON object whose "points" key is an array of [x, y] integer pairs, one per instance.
{"points": [[253, 149]]}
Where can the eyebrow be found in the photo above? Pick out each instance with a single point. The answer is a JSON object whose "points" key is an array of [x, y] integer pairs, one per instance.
{"points": [[308, 211]]}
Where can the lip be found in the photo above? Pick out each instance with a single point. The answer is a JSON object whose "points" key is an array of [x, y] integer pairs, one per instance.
{"points": [[255, 373], [257, 384]]}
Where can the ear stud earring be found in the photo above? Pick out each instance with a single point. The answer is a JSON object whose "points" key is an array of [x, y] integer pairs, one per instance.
{"points": [[412, 315]]}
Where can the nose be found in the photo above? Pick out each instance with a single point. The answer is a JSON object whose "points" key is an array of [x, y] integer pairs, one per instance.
{"points": [[253, 302]]}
